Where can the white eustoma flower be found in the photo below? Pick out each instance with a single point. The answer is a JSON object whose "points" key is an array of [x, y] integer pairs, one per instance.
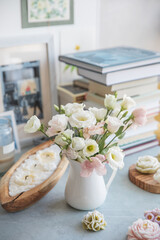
{"points": [[82, 119], [58, 139], [81, 158], [98, 113], [127, 103], [110, 101], [71, 108], [115, 157], [33, 124], [91, 148], [113, 124], [78, 143], [57, 124]]}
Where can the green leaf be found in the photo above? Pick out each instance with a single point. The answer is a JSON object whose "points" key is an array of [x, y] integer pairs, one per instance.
{"points": [[105, 150], [115, 94], [102, 141], [72, 68], [66, 67], [56, 108], [120, 130], [122, 135], [124, 114]]}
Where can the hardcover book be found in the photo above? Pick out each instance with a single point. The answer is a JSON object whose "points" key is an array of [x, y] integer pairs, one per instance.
{"points": [[111, 59]]}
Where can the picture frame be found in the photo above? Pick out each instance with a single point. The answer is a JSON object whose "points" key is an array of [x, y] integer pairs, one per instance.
{"points": [[11, 117], [40, 13], [23, 54]]}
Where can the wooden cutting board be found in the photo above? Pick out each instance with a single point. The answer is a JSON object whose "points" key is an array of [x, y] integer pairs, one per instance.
{"points": [[25, 199], [144, 181]]}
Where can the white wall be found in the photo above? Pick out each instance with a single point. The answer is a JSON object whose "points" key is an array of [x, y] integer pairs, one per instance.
{"points": [[85, 15], [130, 22]]}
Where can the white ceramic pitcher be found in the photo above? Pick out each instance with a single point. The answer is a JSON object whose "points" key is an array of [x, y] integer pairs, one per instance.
{"points": [[86, 193]]}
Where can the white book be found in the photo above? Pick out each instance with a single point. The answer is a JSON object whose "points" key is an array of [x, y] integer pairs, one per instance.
{"points": [[121, 76], [151, 126]]}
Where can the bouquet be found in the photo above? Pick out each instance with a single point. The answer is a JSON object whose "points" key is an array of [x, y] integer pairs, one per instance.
{"points": [[91, 136]]}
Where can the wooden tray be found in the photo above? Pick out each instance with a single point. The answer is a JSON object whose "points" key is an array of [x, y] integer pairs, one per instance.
{"points": [[25, 199], [144, 181]]}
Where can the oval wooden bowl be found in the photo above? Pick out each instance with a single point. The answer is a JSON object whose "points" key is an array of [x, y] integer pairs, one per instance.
{"points": [[25, 199]]}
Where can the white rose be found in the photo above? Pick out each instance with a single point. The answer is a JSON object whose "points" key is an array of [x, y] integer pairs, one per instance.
{"points": [[127, 103], [33, 124], [82, 119], [78, 143], [71, 108], [147, 164], [91, 148], [58, 139], [156, 176], [113, 124], [98, 113], [115, 157], [57, 124], [110, 101]]}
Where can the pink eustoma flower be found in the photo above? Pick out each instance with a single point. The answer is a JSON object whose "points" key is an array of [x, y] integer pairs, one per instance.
{"points": [[87, 167], [139, 116], [93, 130]]}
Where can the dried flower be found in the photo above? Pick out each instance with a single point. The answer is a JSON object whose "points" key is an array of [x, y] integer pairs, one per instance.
{"points": [[147, 164], [94, 221], [144, 229], [153, 215]]}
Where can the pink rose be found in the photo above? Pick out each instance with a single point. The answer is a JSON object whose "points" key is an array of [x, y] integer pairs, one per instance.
{"points": [[93, 130], [57, 124], [144, 229], [87, 166], [139, 115]]}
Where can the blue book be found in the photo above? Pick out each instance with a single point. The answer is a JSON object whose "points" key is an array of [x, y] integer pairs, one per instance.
{"points": [[111, 59]]}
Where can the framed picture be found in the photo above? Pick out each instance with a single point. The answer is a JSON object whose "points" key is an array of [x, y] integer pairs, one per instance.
{"points": [[27, 80], [38, 13], [10, 115]]}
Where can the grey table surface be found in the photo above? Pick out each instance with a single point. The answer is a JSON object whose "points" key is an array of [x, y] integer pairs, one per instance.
{"points": [[52, 219]]}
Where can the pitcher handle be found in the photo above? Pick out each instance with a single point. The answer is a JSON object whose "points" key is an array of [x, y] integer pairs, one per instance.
{"points": [[111, 179]]}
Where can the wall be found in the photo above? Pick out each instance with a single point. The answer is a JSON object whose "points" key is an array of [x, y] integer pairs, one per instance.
{"points": [[85, 15], [135, 23]]}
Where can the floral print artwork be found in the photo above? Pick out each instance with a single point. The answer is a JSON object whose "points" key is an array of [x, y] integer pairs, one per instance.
{"points": [[48, 10]]}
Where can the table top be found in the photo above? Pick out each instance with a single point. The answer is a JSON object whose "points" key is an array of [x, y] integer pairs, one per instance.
{"points": [[52, 219]]}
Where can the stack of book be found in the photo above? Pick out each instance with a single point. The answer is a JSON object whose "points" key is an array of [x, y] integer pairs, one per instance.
{"points": [[128, 71]]}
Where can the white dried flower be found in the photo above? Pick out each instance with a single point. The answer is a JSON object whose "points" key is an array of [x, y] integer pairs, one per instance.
{"points": [[157, 176], [147, 164], [94, 221]]}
